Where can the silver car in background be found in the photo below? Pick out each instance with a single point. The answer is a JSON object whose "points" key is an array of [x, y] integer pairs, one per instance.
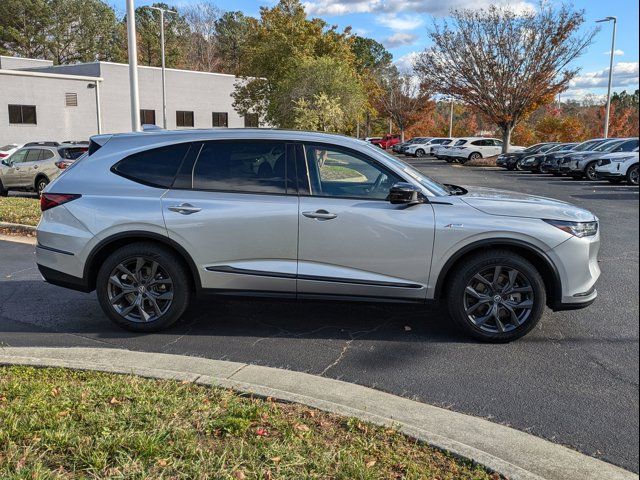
{"points": [[34, 166], [150, 219]]}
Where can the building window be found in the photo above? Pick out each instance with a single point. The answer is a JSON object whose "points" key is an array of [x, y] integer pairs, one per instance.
{"points": [[184, 119], [220, 119], [25, 114], [251, 120], [147, 117], [71, 99]]}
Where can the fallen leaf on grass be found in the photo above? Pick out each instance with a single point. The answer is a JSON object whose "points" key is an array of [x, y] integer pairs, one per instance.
{"points": [[262, 432], [370, 463], [239, 475], [301, 427], [114, 401]]}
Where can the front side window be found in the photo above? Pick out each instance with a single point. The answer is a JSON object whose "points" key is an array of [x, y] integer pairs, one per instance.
{"points": [[248, 167], [220, 119], [459, 143], [627, 146], [22, 114], [184, 118], [19, 156], [336, 172], [156, 167]]}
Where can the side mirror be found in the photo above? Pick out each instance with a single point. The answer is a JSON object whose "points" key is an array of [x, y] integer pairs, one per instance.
{"points": [[403, 193], [6, 163]]}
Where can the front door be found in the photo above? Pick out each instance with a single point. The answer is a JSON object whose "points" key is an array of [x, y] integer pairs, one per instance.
{"points": [[236, 214], [12, 173], [352, 241]]}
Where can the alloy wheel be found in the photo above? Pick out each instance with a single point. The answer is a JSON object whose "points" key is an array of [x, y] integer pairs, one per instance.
{"points": [[633, 175], [140, 289], [42, 184], [590, 172], [498, 299]]}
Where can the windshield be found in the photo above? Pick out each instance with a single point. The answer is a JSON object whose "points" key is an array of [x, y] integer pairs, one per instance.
{"points": [[588, 145], [459, 142], [608, 146], [534, 148], [547, 148], [430, 184]]}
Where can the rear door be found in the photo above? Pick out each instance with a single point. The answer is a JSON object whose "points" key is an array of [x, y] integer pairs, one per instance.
{"points": [[353, 242], [234, 208]]}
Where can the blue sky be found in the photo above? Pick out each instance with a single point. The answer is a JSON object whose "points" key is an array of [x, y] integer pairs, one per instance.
{"points": [[400, 26]]}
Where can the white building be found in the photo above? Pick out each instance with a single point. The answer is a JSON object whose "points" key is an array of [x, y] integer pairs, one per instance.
{"points": [[42, 102]]}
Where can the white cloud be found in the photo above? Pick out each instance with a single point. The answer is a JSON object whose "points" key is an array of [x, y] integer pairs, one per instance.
{"points": [[405, 63], [434, 7], [400, 39], [400, 22], [624, 74], [617, 52]]}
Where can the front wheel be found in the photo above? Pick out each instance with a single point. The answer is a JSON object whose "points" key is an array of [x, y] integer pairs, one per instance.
{"points": [[496, 296], [419, 153], [143, 287], [632, 175], [475, 156]]}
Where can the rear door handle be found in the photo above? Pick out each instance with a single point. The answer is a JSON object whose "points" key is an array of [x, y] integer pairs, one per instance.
{"points": [[320, 215], [184, 209]]}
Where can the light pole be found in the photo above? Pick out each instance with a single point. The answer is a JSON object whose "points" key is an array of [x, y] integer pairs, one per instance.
{"points": [[613, 49], [133, 66], [164, 90], [451, 120]]}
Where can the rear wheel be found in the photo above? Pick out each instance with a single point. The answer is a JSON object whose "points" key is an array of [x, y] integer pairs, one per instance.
{"points": [[420, 153], [41, 184], [496, 296], [475, 156], [632, 175], [143, 287], [590, 172]]}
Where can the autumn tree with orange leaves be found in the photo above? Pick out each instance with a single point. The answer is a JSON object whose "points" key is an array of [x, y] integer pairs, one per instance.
{"points": [[504, 63]]}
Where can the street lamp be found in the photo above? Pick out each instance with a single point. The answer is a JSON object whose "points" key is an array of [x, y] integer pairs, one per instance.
{"points": [[451, 120], [133, 66], [613, 49], [164, 92]]}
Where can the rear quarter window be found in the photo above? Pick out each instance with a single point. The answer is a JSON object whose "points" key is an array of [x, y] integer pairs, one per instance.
{"points": [[156, 167]]}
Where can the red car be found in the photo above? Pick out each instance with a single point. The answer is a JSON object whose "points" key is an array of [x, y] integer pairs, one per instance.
{"points": [[387, 141]]}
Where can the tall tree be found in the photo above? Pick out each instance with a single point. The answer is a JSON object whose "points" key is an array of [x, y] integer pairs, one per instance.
{"points": [[277, 44], [231, 32], [23, 29], [402, 100], [502, 62], [200, 52]]}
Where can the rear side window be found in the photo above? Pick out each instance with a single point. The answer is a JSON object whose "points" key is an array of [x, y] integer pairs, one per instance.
{"points": [[71, 153], [156, 167], [249, 167], [33, 155], [46, 155]]}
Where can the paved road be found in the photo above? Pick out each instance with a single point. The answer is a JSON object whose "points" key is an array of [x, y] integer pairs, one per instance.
{"points": [[573, 380]]}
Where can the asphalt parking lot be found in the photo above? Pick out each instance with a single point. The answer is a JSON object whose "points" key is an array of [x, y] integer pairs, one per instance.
{"points": [[573, 380]]}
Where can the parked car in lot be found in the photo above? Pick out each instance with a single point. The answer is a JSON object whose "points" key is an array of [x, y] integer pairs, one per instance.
{"points": [[586, 146], [510, 160], [150, 219], [420, 149], [32, 168], [387, 141], [584, 165], [438, 151], [619, 167], [475, 148], [400, 147], [9, 149]]}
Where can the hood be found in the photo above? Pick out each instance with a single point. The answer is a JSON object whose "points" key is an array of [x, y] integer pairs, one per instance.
{"points": [[513, 204]]}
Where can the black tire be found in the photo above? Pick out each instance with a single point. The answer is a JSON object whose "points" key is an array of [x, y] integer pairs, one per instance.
{"points": [[475, 156], [465, 274], [632, 175], [511, 167], [168, 262], [419, 153], [3, 192], [518, 166], [542, 169], [40, 184], [590, 172]]}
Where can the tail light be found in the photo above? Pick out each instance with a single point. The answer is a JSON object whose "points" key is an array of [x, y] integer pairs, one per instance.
{"points": [[4, 155], [50, 200], [62, 164]]}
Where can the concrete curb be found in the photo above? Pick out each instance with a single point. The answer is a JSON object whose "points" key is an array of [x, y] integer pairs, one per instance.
{"points": [[515, 454], [18, 228]]}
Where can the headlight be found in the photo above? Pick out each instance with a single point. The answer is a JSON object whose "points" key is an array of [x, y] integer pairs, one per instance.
{"points": [[577, 229], [623, 159]]}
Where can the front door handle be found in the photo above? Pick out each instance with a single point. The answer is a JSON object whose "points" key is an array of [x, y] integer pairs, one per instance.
{"points": [[184, 209], [320, 215]]}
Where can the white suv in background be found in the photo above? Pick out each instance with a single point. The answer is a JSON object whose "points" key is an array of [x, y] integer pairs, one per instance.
{"points": [[618, 167], [424, 148], [475, 148]]}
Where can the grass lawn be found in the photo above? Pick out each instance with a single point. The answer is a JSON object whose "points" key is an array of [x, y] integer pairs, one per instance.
{"points": [[57, 423], [20, 210]]}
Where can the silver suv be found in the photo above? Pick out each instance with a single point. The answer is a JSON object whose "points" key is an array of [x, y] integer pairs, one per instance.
{"points": [[150, 219], [33, 167]]}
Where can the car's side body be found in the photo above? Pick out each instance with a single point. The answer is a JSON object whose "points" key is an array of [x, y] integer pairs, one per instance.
{"points": [[618, 167], [297, 242], [31, 168], [584, 166]]}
